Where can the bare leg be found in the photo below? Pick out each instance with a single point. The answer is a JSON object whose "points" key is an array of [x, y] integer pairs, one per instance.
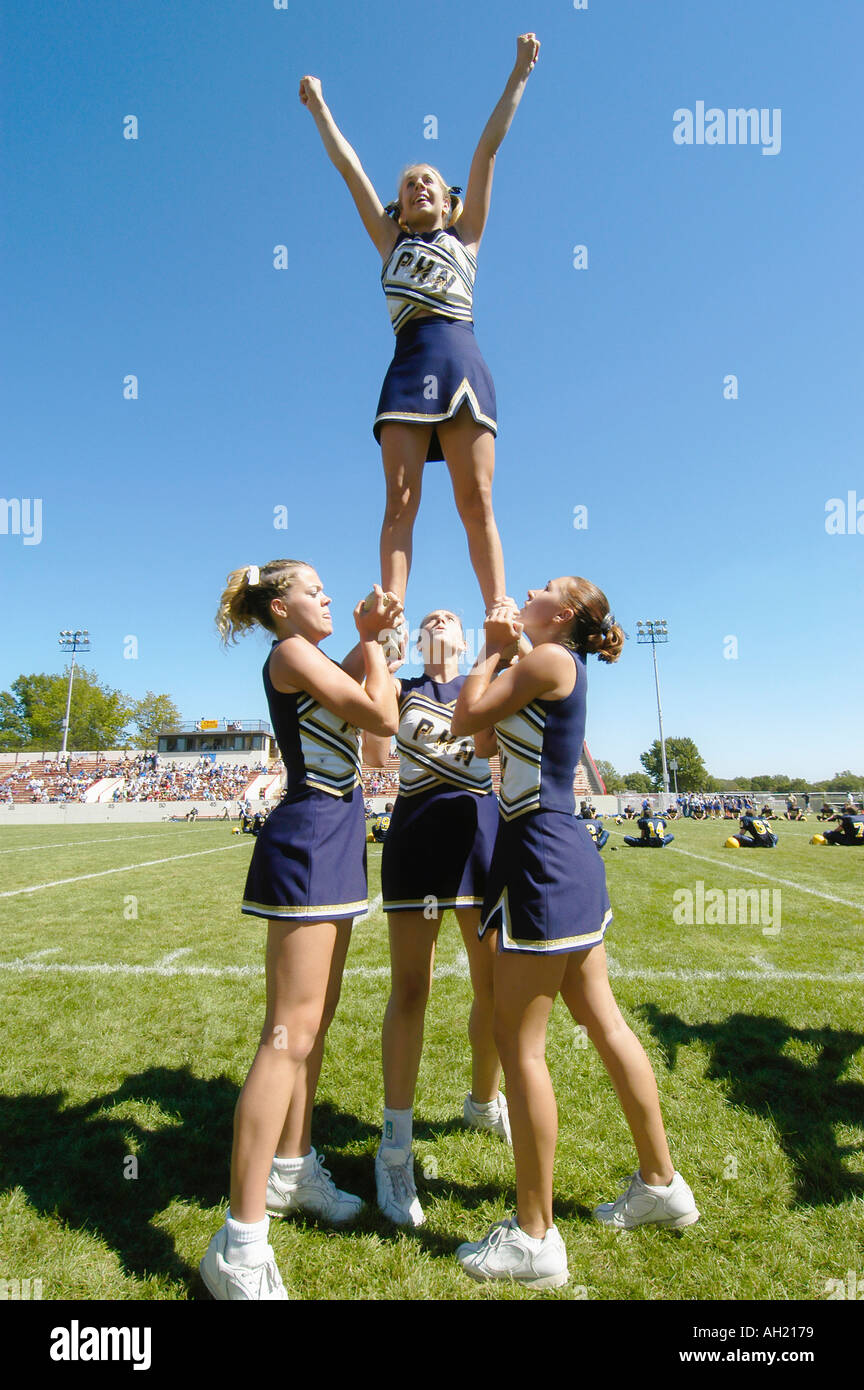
{"points": [[299, 959], [588, 995], [295, 1140], [412, 957], [485, 1062], [525, 990], [403, 453], [469, 449]]}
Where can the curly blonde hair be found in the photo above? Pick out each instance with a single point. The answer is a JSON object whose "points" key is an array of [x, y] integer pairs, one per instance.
{"points": [[248, 593]]}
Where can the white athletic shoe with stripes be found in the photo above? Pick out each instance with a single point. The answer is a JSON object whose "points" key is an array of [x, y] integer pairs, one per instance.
{"points": [[313, 1191], [641, 1205], [508, 1252], [394, 1183], [240, 1283], [498, 1122]]}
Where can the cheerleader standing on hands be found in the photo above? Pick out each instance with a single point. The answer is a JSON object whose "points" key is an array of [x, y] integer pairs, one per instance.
{"points": [[438, 398], [548, 902], [307, 877], [436, 856]]}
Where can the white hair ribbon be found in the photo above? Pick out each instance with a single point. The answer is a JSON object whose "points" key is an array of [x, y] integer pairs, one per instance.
{"points": [[253, 575]]}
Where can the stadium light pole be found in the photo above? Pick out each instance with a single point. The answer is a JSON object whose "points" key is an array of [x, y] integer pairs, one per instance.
{"points": [[655, 631], [77, 641]]}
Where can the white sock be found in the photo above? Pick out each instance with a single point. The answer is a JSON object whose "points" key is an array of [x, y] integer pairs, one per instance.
{"points": [[398, 1129], [288, 1166], [247, 1241], [535, 1241], [485, 1107], [654, 1187]]}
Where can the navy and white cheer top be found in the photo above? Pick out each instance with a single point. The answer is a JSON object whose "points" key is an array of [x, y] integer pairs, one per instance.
{"points": [[429, 755], [429, 273], [540, 748], [319, 749]]}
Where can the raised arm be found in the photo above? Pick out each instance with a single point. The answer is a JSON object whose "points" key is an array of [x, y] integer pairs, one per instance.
{"points": [[477, 198], [381, 228]]}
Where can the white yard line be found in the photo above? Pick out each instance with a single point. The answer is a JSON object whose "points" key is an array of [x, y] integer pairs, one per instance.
{"points": [[746, 869], [175, 955], [106, 840], [786, 882], [766, 976], [124, 869], [459, 970]]}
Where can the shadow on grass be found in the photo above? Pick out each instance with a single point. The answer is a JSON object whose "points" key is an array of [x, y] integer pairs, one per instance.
{"points": [[804, 1100], [70, 1161]]}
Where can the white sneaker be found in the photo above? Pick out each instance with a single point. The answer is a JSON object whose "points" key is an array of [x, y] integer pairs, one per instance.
{"points": [[394, 1182], [506, 1252], [238, 1283], [312, 1191], [498, 1122], [666, 1206]]}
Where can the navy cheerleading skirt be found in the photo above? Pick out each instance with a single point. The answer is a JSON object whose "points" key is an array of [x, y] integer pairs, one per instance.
{"points": [[309, 862], [547, 886], [437, 850], [437, 369]]}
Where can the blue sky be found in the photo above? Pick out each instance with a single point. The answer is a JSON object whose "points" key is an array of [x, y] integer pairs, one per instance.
{"points": [[257, 386]]}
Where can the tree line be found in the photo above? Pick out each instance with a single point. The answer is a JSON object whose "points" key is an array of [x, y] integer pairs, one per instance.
{"points": [[33, 708], [32, 712], [693, 776]]}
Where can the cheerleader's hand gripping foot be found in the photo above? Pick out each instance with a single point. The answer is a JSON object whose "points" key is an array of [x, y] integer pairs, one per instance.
{"points": [[391, 631], [377, 612], [503, 631]]}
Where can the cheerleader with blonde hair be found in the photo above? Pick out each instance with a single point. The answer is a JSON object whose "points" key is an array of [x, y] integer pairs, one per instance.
{"points": [[307, 879], [438, 398]]}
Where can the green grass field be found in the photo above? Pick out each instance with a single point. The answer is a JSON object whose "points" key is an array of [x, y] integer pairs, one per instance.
{"points": [[132, 1000]]}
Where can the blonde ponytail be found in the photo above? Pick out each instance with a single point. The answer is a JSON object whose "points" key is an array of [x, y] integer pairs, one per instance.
{"points": [[247, 596]]}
